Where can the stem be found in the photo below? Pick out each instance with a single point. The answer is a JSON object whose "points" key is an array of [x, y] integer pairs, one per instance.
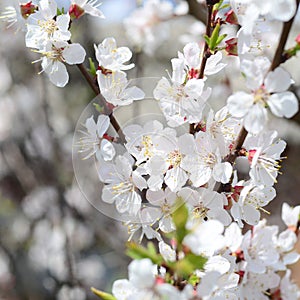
{"points": [[107, 111], [206, 52], [279, 57]]}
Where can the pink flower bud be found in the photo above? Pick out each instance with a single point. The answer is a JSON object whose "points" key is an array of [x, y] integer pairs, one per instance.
{"points": [[298, 39]]}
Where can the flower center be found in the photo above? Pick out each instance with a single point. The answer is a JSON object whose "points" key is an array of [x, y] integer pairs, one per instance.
{"points": [[48, 26], [174, 158]]}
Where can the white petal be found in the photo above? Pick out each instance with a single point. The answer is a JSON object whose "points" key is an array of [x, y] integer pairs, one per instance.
{"points": [[256, 119], [74, 54], [283, 10], [62, 22], [277, 81], [107, 150], [139, 181], [122, 289], [239, 103], [102, 124], [91, 125], [93, 11], [251, 215], [222, 172], [59, 75], [283, 104]]}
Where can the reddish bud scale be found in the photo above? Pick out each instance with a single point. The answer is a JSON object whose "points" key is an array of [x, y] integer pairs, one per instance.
{"points": [[298, 39], [104, 71], [241, 274], [231, 17], [27, 9], [251, 154], [108, 137], [276, 295], [159, 280], [76, 11], [231, 47]]}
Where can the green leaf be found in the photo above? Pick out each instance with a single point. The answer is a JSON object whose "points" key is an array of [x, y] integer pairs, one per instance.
{"points": [[136, 251], [99, 108], [60, 12], [207, 40], [193, 280], [196, 260], [217, 6], [102, 295], [224, 6], [180, 217], [214, 37], [189, 264], [221, 38], [92, 68]]}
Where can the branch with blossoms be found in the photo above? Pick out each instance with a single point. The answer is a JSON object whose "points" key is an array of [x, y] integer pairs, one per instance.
{"points": [[162, 183]]}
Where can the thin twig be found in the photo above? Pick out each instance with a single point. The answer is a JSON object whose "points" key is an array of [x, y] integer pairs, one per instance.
{"points": [[206, 52]]}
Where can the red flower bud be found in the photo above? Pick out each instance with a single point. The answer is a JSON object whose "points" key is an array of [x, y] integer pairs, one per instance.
{"points": [[27, 9], [298, 39], [75, 11]]}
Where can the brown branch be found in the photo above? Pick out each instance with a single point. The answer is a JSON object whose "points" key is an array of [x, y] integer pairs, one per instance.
{"points": [[206, 52], [279, 57], [103, 102]]}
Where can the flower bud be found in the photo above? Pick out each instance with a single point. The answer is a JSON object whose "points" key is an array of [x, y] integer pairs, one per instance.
{"points": [[27, 9], [75, 11]]}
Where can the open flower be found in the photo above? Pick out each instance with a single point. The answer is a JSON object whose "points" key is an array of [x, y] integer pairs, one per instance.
{"points": [[54, 57], [111, 57], [264, 154], [269, 90], [44, 25], [116, 89], [122, 186]]}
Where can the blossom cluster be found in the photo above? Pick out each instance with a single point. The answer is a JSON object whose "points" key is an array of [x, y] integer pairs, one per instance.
{"points": [[145, 169], [237, 266]]}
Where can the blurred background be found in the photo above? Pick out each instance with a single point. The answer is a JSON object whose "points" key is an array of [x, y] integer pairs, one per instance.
{"points": [[53, 243]]}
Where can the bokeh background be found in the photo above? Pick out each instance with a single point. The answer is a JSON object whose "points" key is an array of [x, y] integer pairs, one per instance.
{"points": [[53, 243]]}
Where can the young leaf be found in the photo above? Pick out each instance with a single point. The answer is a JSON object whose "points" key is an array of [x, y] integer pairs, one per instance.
{"points": [[102, 295], [136, 251], [221, 38], [92, 68], [99, 108], [180, 217], [214, 37]]}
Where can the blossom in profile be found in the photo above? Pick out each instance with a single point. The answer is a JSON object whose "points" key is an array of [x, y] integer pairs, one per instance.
{"points": [[96, 141], [80, 7], [16, 15]]}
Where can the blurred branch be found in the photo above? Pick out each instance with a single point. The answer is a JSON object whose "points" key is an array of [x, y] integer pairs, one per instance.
{"points": [[197, 10]]}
